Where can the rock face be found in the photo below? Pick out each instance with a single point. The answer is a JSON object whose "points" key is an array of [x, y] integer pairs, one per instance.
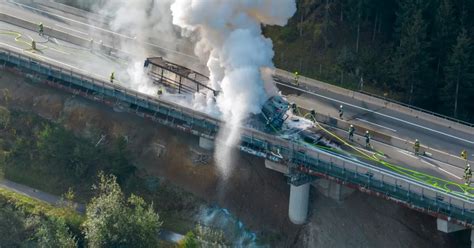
{"points": [[257, 196]]}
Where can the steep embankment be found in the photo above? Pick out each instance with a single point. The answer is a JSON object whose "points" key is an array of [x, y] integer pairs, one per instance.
{"points": [[257, 196]]}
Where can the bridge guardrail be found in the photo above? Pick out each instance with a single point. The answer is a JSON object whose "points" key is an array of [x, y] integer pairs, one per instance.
{"points": [[366, 176]]}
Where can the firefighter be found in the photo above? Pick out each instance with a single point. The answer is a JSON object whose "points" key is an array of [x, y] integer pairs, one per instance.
{"points": [[367, 139], [294, 108], [464, 154], [33, 45], [112, 77], [160, 91], [40, 29], [351, 132], [312, 115], [297, 77], [341, 111], [416, 147], [468, 175]]}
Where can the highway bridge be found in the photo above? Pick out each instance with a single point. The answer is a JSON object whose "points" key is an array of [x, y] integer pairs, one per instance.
{"points": [[430, 184]]}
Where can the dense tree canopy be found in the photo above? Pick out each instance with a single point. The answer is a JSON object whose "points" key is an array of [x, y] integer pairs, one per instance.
{"points": [[419, 52], [112, 220]]}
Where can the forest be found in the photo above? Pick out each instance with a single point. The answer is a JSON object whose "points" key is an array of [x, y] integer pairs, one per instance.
{"points": [[419, 52]]}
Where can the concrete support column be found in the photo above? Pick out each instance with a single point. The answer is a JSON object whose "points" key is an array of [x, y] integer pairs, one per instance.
{"points": [[472, 238], [207, 144], [449, 227], [298, 209]]}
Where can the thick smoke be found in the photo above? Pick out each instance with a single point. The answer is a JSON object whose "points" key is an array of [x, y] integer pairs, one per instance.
{"points": [[140, 23], [238, 55]]}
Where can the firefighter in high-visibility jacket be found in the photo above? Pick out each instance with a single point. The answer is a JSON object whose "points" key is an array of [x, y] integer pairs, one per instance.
{"points": [[160, 91], [40, 29], [294, 108], [367, 139], [351, 132], [297, 77], [112, 77], [416, 147], [464, 154], [468, 175]]}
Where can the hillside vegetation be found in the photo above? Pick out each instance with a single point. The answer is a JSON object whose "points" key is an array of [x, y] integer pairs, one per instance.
{"points": [[418, 52]]}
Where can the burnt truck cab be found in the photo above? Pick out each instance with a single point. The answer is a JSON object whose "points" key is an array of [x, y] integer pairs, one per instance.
{"points": [[274, 112]]}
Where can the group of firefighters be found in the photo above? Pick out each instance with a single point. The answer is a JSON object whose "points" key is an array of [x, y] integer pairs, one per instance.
{"points": [[40, 32], [366, 136], [416, 148], [416, 145]]}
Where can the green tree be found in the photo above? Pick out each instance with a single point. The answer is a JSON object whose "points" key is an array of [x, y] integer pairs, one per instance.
{"points": [[114, 221], [189, 241], [357, 9], [459, 74], [411, 58], [445, 31], [52, 233], [4, 117], [120, 164], [12, 226]]}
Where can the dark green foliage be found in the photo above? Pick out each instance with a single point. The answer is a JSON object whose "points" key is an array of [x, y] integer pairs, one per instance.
{"points": [[119, 164], [459, 89], [189, 241], [288, 34], [402, 47], [53, 233], [112, 220], [13, 231], [411, 59], [47, 150]]}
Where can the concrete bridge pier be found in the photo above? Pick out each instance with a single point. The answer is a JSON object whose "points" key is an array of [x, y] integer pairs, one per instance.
{"points": [[449, 227], [205, 143], [299, 198]]}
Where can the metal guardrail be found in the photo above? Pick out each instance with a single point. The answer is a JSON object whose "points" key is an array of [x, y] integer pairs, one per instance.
{"points": [[418, 109], [373, 180], [366, 176]]}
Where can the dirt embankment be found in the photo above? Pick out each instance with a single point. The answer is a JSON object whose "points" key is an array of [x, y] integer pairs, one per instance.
{"points": [[257, 196]]}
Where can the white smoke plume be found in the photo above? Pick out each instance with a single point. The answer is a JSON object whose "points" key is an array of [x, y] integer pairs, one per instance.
{"points": [[230, 40], [140, 24]]}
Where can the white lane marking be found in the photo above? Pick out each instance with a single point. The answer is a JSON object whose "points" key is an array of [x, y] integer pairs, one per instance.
{"points": [[449, 173], [71, 29], [428, 163], [54, 49], [407, 153], [378, 113], [366, 121], [106, 30]]}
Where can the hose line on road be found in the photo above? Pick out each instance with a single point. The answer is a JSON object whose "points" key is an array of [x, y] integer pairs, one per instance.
{"points": [[441, 184]]}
